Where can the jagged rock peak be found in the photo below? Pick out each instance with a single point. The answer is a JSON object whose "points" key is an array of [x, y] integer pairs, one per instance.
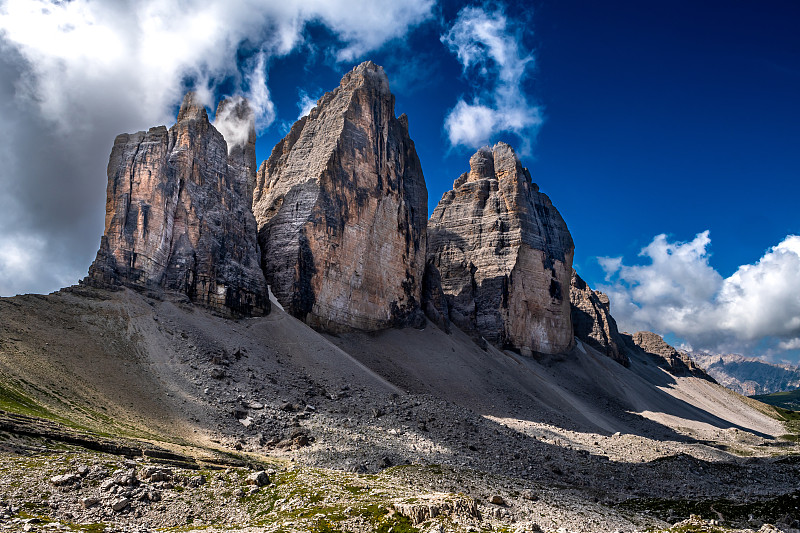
{"points": [[192, 108], [178, 217], [341, 206], [666, 356], [592, 320], [504, 255], [367, 73]]}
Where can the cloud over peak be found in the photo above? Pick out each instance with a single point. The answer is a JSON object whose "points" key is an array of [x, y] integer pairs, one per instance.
{"points": [[489, 47], [75, 74]]}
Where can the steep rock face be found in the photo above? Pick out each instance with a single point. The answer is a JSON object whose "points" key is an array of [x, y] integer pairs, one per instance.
{"points": [[505, 256], [592, 321], [341, 206], [178, 216], [667, 357]]}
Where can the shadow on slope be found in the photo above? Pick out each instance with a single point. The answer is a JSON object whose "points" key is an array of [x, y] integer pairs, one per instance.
{"points": [[581, 391]]}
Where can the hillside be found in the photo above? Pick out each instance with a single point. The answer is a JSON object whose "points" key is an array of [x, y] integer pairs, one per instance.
{"points": [[576, 427], [786, 399]]}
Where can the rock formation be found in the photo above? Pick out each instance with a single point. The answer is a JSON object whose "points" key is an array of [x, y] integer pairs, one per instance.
{"points": [[592, 321], [178, 215], [664, 355], [505, 256], [341, 206]]}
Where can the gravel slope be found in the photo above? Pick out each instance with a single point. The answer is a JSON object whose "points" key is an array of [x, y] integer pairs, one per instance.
{"points": [[580, 427]]}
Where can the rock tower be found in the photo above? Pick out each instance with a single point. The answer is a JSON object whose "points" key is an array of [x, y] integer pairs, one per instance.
{"points": [[504, 255]]}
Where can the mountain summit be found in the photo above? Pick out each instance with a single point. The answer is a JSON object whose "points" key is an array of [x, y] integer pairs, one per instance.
{"points": [[504, 255], [341, 206]]}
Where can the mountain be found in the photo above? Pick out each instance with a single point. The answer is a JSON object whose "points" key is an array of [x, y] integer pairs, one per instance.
{"points": [[592, 321], [504, 256], [178, 216], [442, 375], [667, 357], [749, 375], [341, 206]]}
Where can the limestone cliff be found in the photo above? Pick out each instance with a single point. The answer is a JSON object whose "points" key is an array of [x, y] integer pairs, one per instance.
{"points": [[341, 206], [675, 362], [178, 215], [592, 320], [504, 255]]}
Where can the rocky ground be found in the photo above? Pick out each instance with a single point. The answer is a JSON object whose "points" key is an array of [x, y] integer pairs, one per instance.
{"points": [[198, 404]]}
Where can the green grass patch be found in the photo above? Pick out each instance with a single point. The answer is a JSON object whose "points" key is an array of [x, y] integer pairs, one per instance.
{"points": [[788, 400]]}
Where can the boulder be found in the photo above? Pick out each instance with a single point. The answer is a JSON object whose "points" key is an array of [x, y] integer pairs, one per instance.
{"points": [[504, 255], [341, 206], [259, 479]]}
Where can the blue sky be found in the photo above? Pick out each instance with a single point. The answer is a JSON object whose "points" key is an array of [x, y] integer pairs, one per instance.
{"points": [[638, 119]]}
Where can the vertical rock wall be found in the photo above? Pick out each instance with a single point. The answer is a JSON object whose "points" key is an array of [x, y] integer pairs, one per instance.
{"points": [[341, 206], [504, 255], [592, 320], [178, 216]]}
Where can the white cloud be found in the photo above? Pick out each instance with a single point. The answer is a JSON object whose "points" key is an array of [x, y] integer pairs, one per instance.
{"points": [[75, 74], [678, 291], [305, 104], [791, 344], [490, 48], [234, 125]]}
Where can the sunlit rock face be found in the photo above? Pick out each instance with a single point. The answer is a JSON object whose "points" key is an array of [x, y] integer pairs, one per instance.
{"points": [[341, 206], [504, 255], [592, 320], [178, 215], [666, 356]]}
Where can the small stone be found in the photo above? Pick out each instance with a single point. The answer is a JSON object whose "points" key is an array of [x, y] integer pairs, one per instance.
{"points": [[89, 502], [497, 500], [196, 481], [120, 504], [65, 479]]}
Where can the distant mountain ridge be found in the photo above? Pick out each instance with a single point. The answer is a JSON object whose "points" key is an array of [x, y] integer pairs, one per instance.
{"points": [[749, 375]]}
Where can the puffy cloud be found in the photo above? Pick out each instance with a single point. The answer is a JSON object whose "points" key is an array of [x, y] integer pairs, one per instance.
{"points": [[677, 291], [75, 74], [490, 49]]}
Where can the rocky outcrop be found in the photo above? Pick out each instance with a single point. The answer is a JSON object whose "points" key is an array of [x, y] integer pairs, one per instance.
{"points": [[178, 215], [341, 206], [592, 321], [504, 255], [675, 362]]}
